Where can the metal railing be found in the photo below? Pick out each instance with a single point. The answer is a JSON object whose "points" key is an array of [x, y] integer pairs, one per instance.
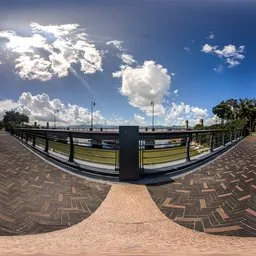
{"points": [[98, 151], [164, 150], [91, 150]]}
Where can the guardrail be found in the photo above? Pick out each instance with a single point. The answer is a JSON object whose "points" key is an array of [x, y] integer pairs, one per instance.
{"points": [[129, 153]]}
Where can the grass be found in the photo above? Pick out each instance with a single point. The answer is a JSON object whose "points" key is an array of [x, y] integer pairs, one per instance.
{"points": [[104, 156]]}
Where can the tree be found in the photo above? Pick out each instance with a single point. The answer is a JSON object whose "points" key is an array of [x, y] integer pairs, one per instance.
{"points": [[223, 111], [12, 119], [243, 110], [1, 125]]}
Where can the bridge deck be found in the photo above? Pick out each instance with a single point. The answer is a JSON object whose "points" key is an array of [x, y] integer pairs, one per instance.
{"points": [[128, 222]]}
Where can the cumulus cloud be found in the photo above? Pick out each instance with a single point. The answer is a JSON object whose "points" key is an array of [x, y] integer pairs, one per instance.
{"points": [[7, 105], [42, 109], [208, 48], [178, 113], [233, 55], [51, 50], [144, 84]]}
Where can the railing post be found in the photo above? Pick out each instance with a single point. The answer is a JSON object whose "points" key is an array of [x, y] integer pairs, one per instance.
{"points": [[71, 151], [211, 142], [223, 138], [235, 135], [188, 148], [22, 135], [34, 139], [26, 137], [46, 142], [230, 137]]}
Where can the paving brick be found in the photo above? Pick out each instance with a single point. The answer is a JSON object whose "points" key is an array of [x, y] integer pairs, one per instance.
{"points": [[221, 194]]}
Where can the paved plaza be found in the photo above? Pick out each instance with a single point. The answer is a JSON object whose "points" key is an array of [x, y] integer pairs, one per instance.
{"points": [[36, 197], [89, 218], [220, 198]]}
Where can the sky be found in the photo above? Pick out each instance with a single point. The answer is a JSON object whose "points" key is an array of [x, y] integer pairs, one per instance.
{"points": [[185, 56]]}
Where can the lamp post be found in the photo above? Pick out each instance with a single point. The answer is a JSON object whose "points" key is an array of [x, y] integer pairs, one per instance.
{"points": [[153, 109], [54, 117], [92, 105]]}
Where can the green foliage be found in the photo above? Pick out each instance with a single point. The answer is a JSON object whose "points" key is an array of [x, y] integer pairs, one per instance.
{"points": [[1, 125], [199, 127], [13, 119], [243, 111]]}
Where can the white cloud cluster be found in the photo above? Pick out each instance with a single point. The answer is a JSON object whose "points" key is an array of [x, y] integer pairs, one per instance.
{"points": [[143, 84], [42, 109], [51, 50], [232, 54], [127, 59], [178, 113]]}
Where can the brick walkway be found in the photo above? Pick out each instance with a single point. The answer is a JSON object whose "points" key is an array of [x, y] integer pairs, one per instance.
{"points": [[220, 198], [36, 197]]}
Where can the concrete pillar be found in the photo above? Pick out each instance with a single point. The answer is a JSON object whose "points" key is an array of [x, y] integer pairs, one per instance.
{"points": [[129, 153]]}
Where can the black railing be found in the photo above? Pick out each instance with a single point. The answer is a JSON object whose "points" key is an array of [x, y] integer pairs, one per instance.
{"points": [[98, 151]]}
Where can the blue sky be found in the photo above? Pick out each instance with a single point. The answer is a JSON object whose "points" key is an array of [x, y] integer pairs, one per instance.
{"points": [[173, 35]]}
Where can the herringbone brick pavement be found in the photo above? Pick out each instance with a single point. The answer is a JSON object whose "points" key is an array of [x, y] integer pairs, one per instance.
{"points": [[36, 197], [219, 198]]}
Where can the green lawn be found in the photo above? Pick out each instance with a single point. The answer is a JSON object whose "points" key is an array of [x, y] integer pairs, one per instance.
{"points": [[108, 157]]}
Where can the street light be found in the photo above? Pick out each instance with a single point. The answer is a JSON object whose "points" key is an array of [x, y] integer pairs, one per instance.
{"points": [[92, 105], [54, 117], [153, 109]]}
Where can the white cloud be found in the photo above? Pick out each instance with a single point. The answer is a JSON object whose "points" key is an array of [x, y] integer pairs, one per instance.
{"points": [[7, 105], [176, 91], [127, 59], [186, 49], [139, 120], [51, 50], [230, 53], [42, 109], [117, 44], [178, 113], [143, 84], [208, 48]]}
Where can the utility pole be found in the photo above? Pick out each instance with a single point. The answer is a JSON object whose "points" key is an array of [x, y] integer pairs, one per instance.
{"points": [[54, 117], [153, 109], [92, 105]]}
